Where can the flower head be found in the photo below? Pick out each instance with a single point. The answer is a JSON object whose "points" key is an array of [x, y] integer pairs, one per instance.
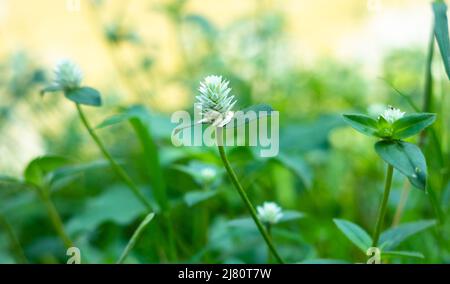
{"points": [[68, 75], [392, 114], [269, 213], [215, 102]]}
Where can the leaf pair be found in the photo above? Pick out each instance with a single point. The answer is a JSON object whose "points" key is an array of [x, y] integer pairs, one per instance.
{"points": [[404, 127], [389, 239], [83, 95]]}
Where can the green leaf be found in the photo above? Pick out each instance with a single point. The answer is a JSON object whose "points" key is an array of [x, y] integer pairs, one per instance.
{"points": [[38, 168], [406, 158], [242, 117], [84, 96], [441, 33], [412, 124], [116, 204], [391, 238], [403, 253], [354, 233], [362, 123], [298, 166], [194, 197]]}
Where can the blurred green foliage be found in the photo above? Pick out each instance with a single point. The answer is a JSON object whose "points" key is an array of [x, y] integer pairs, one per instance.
{"points": [[324, 170]]}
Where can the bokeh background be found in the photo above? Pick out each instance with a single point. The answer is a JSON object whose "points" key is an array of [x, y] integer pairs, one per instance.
{"points": [[310, 60]]}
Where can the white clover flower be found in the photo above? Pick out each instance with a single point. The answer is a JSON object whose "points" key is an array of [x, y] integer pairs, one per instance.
{"points": [[392, 114], [269, 213], [67, 75], [215, 102]]}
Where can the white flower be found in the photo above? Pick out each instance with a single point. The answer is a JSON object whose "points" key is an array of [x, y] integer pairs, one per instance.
{"points": [[269, 213], [215, 102], [68, 75], [392, 114]]}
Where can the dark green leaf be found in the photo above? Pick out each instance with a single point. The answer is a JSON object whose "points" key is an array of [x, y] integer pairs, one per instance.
{"points": [[362, 123], [441, 33], [391, 238], [412, 124], [84, 96], [354, 233], [406, 158]]}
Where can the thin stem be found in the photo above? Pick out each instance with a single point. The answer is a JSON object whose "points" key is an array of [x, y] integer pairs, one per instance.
{"points": [[15, 244], [269, 232], [244, 197], [54, 217], [119, 171], [135, 237], [383, 206]]}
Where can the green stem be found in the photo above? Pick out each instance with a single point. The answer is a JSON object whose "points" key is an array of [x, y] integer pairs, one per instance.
{"points": [[383, 206], [119, 171], [244, 197], [135, 237], [15, 244], [54, 217], [269, 232]]}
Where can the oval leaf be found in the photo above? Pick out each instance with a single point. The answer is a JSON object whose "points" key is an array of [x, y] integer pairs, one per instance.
{"points": [[84, 96], [391, 238], [362, 123], [355, 234], [412, 124], [406, 158]]}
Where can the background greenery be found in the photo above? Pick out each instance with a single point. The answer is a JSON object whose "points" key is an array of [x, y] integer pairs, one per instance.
{"points": [[325, 170]]}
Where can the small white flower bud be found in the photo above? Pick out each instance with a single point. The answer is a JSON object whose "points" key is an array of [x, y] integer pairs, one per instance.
{"points": [[269, 213], [392, 114], [68, 75], [215, 102]]}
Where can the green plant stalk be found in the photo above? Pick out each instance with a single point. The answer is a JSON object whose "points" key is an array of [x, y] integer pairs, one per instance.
{"points": [[135, 237], [54, 217], [244, 197], [156, 174], [383, 206], [117, 169], [15, 244], [269, 232]]}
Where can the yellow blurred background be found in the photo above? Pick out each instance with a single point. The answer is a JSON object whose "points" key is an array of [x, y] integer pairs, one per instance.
{"points": [[49, 30]]}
